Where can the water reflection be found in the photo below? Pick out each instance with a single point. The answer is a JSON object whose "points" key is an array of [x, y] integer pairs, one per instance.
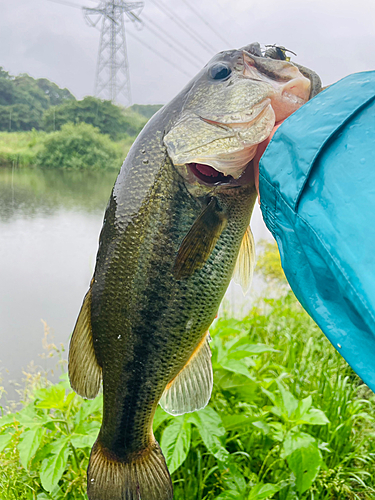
{"points": [[25, 193], [49, 227]]}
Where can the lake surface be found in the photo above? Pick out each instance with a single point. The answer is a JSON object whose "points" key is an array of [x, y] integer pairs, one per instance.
{"points": [[49, 227]]}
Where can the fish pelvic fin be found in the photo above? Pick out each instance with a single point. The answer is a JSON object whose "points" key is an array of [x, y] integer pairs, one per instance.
{"points": [[199, 242], [141, 476], [85, 374], [244, 269], [191, 389]]}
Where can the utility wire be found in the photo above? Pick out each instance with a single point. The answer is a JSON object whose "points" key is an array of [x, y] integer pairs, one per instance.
{"points": [[166, 41], [158, 53], [196, 60], [70, 4], [176, 19], [205, 22]]}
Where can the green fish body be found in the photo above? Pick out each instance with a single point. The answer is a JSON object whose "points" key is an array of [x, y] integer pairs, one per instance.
{"points": [[172, 234]]}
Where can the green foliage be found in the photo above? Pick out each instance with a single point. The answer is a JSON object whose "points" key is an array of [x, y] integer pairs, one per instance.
{"points": [[108, 118], [269, 264], [78, 147], [23, 101], [27, 103], [146, 110], [287, 420], [20, 148], [23, 149]]}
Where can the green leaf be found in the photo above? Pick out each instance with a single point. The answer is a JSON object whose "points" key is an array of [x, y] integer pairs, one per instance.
{"points": [[88, 407], [160, 417], [53, 466], [252, 348], [229, 495], [303, 407], [314, 417], [52, 397], [236, 481], [237, 421], [261, 491], [236, 366], [211, 429], [288, 403], [263, 426], [29, 417], [295, 441], [239, 385], [29, 444], [85, 434], [305, 463], [175, 442], [9, 419], [5, 439]]}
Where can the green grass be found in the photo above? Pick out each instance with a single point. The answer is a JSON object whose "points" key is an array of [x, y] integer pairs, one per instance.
{"points": [[288, 419], [20, 148]]}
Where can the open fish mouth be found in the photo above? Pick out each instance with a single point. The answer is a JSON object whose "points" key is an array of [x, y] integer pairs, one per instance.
{"points": [[209, 176], [226, 157]]}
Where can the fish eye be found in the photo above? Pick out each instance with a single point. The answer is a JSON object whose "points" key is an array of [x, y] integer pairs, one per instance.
{"points": [[220, 71]]}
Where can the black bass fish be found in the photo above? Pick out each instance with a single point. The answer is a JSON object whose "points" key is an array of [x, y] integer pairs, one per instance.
{"points": [[176, 223]]}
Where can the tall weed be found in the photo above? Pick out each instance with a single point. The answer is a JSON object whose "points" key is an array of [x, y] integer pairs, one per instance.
{"points": [[288, 419]]}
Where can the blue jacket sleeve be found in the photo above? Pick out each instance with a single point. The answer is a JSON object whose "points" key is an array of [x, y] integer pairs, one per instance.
{"points": [[317, 191]]}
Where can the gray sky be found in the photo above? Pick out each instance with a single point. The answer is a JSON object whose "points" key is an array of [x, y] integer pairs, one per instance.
{"points": [[45, 39]]}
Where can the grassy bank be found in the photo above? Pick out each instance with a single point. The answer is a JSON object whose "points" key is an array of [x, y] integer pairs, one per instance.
{"points": [[75, 147], [288, 419]]}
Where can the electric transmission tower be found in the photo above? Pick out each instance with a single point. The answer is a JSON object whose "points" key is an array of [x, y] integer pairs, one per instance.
{"points": [[112, 72]]}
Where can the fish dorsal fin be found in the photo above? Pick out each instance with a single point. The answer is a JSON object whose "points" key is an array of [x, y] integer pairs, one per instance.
{"points": [[244, 269], [191, 389], [198, 244], [85, 374]]}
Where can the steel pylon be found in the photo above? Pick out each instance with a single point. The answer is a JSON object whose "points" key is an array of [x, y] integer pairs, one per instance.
{"points": [[112, 73]]}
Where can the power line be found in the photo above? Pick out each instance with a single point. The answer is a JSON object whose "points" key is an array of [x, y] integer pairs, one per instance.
{"points": [[176, 19], [158, 54], [174, 40], [70, 4], [205, 22], [158, 35]]}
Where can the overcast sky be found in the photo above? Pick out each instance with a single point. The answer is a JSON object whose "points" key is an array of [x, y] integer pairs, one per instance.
{"points": [[46, 39]]}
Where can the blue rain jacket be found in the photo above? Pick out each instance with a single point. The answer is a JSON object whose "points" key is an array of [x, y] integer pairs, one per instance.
{"points": [[317, 192]]}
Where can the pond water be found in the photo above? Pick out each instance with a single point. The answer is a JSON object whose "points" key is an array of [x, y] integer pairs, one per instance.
{"points": [[49, 227]]}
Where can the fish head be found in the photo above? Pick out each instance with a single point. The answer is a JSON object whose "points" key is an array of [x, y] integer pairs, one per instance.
{"points": [[229, 109]]}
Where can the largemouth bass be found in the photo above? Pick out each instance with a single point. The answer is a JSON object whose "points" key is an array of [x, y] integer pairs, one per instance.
{"points": [[176, 222]]}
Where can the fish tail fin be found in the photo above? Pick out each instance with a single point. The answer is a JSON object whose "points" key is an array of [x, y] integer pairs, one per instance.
{"points": [[140, 476]]}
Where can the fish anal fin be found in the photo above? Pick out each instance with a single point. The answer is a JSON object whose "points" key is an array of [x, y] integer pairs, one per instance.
{"points": [[85, 374], [191, 389], [244, 268], [199, 242], [142, 475]]}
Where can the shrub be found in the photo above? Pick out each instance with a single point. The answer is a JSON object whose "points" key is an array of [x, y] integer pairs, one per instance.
{"points": [[79, 146]]}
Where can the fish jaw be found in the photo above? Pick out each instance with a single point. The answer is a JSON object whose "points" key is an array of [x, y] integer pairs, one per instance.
{"points": [[290, 88], [227, 151]]}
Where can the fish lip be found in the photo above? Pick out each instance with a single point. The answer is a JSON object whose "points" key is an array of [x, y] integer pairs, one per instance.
{"points": [[254, 112]]}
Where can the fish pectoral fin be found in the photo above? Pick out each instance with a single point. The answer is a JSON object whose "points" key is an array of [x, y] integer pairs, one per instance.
{"points": [[198, 244], [191, 389], [85, 374], [244, 268]]}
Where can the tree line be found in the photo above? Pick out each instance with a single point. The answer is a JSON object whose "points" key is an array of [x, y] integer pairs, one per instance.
{"points": [[27, 103]]}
